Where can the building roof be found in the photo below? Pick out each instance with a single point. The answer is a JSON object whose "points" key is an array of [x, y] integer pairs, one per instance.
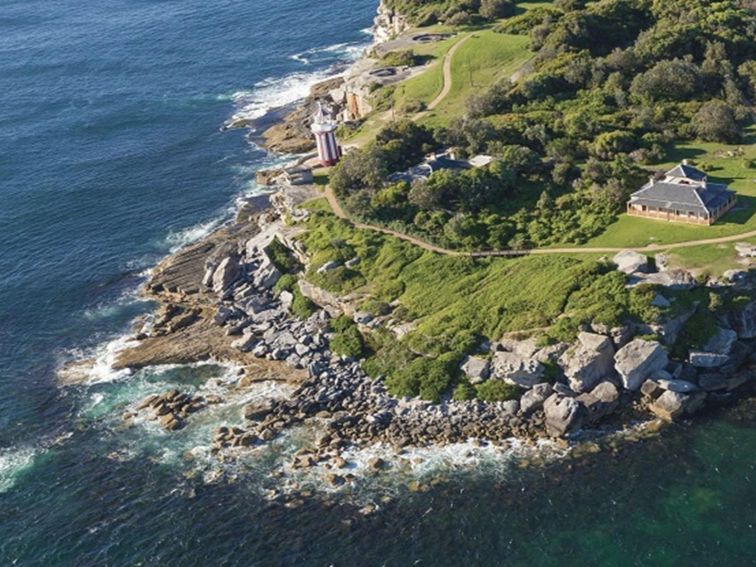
{"points": [[696, 196], [687, 171]]}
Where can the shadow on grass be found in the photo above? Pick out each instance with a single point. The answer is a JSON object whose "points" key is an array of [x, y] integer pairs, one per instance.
{"points": [[742, 212]]}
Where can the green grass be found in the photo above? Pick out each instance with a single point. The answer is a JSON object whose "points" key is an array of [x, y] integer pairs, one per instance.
{"points": [[715, 160], [452, 299], [483, 59], [714, 259]]}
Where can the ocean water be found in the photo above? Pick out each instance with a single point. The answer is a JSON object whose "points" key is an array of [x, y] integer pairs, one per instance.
{"points": [[112, 155]]}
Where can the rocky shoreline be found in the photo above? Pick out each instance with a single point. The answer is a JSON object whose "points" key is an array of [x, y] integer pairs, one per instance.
{"points": [[217, 302]]}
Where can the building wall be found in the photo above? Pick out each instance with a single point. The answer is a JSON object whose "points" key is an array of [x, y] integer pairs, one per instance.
{"points": [[673, 216]]}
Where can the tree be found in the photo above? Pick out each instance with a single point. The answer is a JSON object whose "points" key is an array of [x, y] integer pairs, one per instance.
{"points": [[609, 144], [357, 170], [673, 79], [495, 9], [715, 122]]}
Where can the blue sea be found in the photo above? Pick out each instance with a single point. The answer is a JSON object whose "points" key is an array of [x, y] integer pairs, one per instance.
{"points": [[111, 156]]}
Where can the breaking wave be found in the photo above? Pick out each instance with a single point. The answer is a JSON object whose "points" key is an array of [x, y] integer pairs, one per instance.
{"points": [[273, 93]]}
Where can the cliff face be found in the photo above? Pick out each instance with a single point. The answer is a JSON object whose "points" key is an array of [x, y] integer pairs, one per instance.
{"points": [[388, 23]]}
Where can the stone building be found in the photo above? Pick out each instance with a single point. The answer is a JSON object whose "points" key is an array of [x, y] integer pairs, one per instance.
{"points": [[683, 194]]}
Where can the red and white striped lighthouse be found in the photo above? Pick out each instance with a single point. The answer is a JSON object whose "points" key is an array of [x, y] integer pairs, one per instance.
{"points": [[324, 128]]}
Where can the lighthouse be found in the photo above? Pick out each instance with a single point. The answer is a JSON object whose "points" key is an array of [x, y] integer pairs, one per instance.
{"points": [[324, 128]]}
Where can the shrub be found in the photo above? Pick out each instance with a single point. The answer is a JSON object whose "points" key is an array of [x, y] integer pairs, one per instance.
{"points": [[301, 306], [402, 58], [464, 391], [286, 282], [348, 342], [715, 122], [495, 9], [497, 391], [426, 377], [341, 323], [282, 257]]}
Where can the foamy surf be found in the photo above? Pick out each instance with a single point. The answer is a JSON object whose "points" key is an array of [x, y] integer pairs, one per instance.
{"points": [[14, 462], [96, 365], [274, 93], [179, 238]]}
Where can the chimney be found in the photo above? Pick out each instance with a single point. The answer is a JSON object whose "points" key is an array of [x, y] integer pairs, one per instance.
{"points": [[685, 162]]}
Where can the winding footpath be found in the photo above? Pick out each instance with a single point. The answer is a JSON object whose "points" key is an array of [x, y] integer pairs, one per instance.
{"points": [[339, 212], [447, 71], [447, 76]]}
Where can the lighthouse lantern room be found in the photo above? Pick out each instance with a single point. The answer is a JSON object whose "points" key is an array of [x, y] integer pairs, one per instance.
{"points": [[324, 128]]}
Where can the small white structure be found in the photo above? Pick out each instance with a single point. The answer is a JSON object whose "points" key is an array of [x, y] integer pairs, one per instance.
{"points": [[324, 128]]}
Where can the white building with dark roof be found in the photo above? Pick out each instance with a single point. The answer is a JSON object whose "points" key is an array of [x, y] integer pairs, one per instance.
{"points": [[683, 194]]}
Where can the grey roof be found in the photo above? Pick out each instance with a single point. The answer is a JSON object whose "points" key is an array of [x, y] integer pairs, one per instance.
{"points": [[443, 162], [688, 171], [698, 199]]}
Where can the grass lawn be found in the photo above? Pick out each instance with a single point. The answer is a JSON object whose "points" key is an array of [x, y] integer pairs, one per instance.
{"points": [[483, 59], [716, 160], [449, 297], [714, 259]]}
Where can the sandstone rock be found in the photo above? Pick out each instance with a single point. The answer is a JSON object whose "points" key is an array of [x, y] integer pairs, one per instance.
{"points": [[669, 406], [246, 343], [476, 369], [562, 414], [533, 399], [651, 389], [673, 405], [707, 359], [267, 274], [509, 407], [638, 360], [680, 386], [329, 266], [362, 317], [745, 250], [588, 362], [564, 390], [744, 321], [631, 262], [258, 410], [606, 392], [711, 382], [516, 369], [226, 274], [722, 341], [661, 301], [601, 401], [286, 298]]}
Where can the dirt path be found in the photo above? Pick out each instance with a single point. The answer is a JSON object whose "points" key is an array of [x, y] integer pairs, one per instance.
{"points": [[339, 212], [447, 70]]}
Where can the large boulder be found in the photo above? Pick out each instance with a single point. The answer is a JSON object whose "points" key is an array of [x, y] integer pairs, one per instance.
{"points": [[516, 369], [226, 275], [267, 274], [722, 341], [476, 369], [591, 360], [562, 413], [601, 401], [744, 321], [673, 405], [707, 359], [533, 399], [638, 360], [630, 262]]}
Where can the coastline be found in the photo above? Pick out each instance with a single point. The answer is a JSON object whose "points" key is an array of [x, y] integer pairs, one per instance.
{"points": [[201, 290]]}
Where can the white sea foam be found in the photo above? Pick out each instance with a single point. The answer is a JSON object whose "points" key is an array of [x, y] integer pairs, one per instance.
{"points": [[273, 93], [13, 463], [180, 238], [95, 366]]}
